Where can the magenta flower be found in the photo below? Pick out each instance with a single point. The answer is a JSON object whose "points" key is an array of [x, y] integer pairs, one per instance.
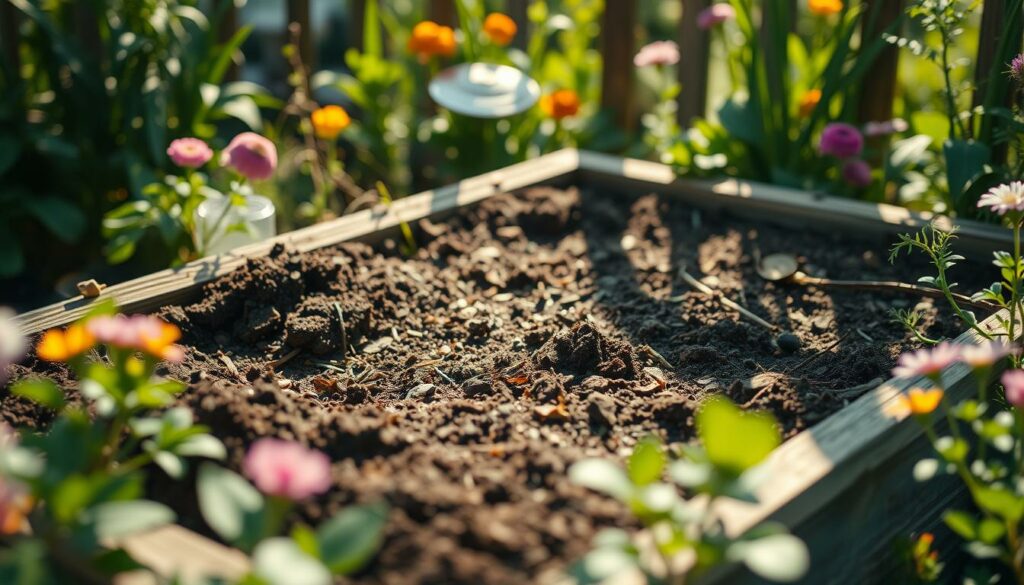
{"points": [[287, 469], [715, 15], [1017, 68], [657, 53], [894, 126], [189, 153], [1013, 385], [252, 155], [927, 362], [841, 141], [12, 342], [986, 354], [1004, 198], [857, 173]]}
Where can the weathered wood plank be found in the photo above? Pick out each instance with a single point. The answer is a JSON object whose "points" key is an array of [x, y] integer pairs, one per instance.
{"points": [[695, 51], [785, 206], [168, 286], [443, 12], [173, 550], [618, 40]]}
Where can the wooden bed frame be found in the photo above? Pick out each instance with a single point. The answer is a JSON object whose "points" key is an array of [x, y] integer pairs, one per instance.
{"points": [[845, 485]]}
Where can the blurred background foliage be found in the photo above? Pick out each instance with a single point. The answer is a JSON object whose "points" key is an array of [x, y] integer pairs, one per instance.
{"points": [[92, 91]]}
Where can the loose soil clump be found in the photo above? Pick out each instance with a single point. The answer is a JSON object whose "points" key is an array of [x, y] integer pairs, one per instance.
{"points": [[525, 333]]}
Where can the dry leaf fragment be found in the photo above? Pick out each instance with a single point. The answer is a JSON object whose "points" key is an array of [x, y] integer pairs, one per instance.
{"points": [[551, 411]]}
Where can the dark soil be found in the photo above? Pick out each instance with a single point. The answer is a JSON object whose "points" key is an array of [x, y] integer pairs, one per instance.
{"points": [[525, 333]]}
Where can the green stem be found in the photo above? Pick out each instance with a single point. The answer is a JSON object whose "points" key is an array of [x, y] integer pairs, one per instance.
{"points": [[1015, 290]]}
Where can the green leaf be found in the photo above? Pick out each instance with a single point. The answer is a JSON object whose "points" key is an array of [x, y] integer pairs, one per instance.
{"points": [[10, 150], [782, 558], [965, 159], [647, 463], [961, 523], [12, 261], [203, 445], [603, 476], [690, 474], [63, 219], [280, 561], [350, 539], [119, 519], [990, 530], [229, 504], [41, 391], [735, 440], [1000, 502]]}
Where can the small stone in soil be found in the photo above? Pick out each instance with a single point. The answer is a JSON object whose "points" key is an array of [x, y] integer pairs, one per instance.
{"points": [[423, 392], [788, 342]]}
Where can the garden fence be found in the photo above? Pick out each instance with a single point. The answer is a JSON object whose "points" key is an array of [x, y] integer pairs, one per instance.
{"points": [[619, 43]]}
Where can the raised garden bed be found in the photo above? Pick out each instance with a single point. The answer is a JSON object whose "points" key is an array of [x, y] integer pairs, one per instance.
{"points": [[533, 329]]}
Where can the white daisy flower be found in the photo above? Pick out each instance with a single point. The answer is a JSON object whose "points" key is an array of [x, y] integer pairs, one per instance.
{"points": [[1004, 198]]}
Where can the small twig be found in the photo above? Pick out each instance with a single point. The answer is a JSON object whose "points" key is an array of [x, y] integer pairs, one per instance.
{"points": [[445, 376], [657, 357], [344, 333], [230, 365], [707, 290], [333, 368], [855, 391], [818, 353], [285, 358]]}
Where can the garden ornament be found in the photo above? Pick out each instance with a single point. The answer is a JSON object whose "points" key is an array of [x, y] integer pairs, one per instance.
{"points": [[484, 90]]}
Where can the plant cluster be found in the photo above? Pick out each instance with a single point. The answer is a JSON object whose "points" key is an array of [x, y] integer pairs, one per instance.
{"points": [[684, 538], [72, 492], [979, 439]]}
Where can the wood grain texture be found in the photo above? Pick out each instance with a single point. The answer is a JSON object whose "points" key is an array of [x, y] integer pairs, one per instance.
{"points": [[618, 46], [173, 550], [169, 286], [695, 49]]}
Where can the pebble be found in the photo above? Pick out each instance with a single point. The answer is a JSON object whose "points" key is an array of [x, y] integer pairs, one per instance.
{"points": [[423, 392], [788, 342], [601, 409]]}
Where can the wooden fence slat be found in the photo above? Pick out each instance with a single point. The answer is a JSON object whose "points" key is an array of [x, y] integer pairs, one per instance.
{"points": [[876, 98], [227, 28], [443, 12], [997, 23], [695, 51], [11, 36], [992, 27], [356, 15], [517, 10], [298, 12], [618, 28]]}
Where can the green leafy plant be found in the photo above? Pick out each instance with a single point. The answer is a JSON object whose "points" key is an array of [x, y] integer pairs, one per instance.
{"points": [[686, 534], [81, 481]]}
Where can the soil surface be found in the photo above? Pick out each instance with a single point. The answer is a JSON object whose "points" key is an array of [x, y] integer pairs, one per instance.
{"points": [[524, 334]]}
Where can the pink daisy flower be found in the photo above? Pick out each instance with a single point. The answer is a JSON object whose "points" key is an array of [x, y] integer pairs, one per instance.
{"points": [[657, 53], [986, 354], [287, 469], [715, 15], [1013, 384], [1004, 198], [190, 153], [252, 155], [927, 362]]}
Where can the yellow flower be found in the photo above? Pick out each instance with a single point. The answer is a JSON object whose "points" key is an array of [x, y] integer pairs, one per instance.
{"points": [[560, 104], [809, 101], [429, 39], [825, 7], [500, 28], [329, 122], [60, 346], [919, 401]]}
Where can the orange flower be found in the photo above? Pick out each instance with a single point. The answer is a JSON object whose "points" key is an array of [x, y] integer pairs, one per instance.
{"points": [[429, 38], [809, 101], [825, 7], [60, 346], [500, 28], [329, 122], [560, 104], [919, 402], [160, 342], [446, 41]]}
